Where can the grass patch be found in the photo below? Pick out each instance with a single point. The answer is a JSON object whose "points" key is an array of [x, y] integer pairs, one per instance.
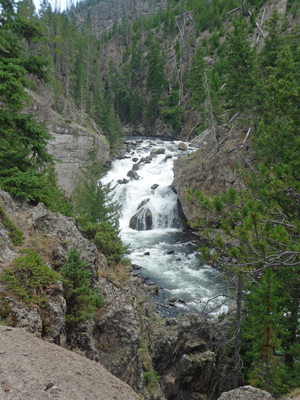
{"points": [[15, 233], [30, 278], [119, 272]]}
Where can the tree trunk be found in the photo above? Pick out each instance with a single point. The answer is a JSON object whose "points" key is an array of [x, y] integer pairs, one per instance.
{"points": [[238, 318]]}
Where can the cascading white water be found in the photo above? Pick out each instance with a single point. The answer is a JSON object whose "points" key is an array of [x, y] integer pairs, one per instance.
{"points": [[151, 225]]}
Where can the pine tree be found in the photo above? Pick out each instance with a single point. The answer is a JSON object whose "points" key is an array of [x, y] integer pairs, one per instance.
{"points": [[172, 112], [156, 79], [136, 107], [23, 155], [240, 68], [273, 43], [93, 200], [262, 330], [82, 300], [195, 80]]}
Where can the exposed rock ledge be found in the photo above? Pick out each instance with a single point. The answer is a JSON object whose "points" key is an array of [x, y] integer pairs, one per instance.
{"points": [[34, 369], [211, 169]]}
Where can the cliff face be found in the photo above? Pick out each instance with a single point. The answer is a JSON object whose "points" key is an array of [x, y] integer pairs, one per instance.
{"points": [[212, 169], [71, 141], [70, 146]]}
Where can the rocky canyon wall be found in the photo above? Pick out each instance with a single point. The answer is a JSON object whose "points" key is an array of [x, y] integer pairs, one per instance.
{"points": [[212, 169], [71, 141]]}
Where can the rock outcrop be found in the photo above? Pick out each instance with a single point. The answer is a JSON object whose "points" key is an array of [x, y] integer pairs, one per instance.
{"points": [[71, 141], [211, 169], [70, 146]]}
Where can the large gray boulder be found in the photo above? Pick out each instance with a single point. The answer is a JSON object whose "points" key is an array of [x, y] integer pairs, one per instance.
{"points": [[142, 220], [246, 393], [34, 369]]}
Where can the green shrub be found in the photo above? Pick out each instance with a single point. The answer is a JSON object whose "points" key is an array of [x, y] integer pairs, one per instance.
{"points": [[150, 380], [30, 278], [15, 233], [109, 243], [107, 240], [82, 299]]}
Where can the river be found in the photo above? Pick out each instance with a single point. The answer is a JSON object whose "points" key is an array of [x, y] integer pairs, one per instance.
{"points": [[159, 239]]}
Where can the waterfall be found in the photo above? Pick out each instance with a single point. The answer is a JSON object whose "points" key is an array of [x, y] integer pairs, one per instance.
{"points": [[151, 225]]}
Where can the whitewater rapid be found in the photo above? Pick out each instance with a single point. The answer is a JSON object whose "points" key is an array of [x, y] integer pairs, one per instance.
{"points": [[167, 250]]}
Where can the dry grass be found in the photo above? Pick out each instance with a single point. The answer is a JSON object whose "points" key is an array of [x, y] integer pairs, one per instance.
{"points": [[41, 244], [293, 395], [117, 274]]}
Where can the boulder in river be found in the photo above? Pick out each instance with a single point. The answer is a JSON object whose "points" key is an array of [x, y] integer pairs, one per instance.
{"points": [[182, 146], [142, 203], [133, 175], [122, 181], [135, 167], [142, 220]]}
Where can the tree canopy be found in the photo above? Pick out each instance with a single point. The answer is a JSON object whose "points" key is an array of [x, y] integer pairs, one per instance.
{"points": [[263, 220]]}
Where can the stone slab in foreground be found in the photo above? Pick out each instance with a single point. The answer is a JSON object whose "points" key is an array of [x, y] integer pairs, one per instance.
{"points": [[31, 368]]}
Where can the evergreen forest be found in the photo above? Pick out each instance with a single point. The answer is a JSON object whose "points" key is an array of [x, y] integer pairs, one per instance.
{"points": [[225, 68]]}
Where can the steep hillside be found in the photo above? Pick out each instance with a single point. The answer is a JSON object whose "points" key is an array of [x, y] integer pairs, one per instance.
{"points": [[170, 107]]}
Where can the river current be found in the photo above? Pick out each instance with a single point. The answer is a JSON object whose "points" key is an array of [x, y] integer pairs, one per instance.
{"points": [[150, 224]]}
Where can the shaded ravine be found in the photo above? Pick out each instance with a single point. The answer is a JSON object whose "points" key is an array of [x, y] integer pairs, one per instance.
{"points": [[151, 225]]}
